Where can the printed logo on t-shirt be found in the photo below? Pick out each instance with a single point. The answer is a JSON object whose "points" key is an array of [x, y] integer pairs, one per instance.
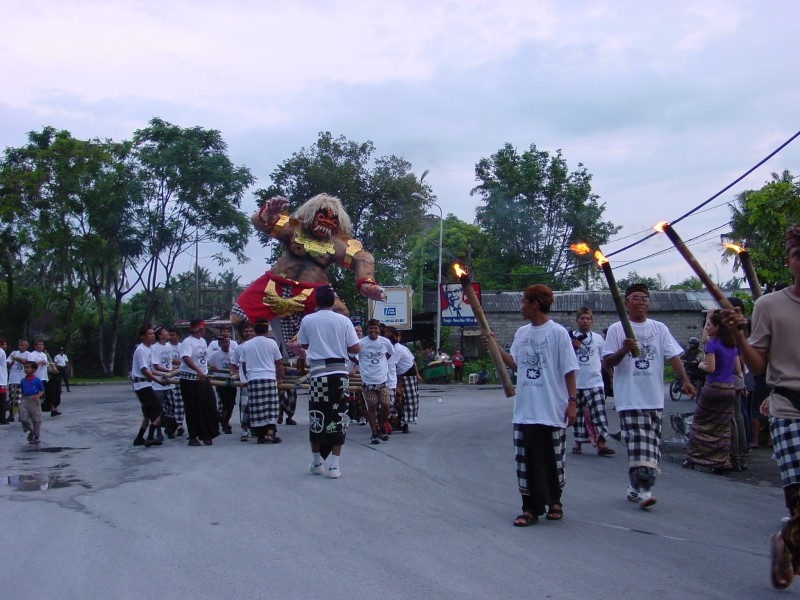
{"points": [[534, 361], [584, 353], [646, 353]]}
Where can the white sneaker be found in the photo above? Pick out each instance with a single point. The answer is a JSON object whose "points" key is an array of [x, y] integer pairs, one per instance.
{"points": [[646, 499], [633, 495], [317, 469], [334, 473], [245, 437]]}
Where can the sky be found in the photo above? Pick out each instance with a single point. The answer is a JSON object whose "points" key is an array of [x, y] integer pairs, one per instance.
{"points": [[664, 103]]}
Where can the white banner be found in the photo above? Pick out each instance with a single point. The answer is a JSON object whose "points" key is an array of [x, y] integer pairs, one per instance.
{"points": [[396, 311]]}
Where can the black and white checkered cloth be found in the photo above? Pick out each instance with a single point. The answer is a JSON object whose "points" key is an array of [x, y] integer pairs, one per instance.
{"points": [[786, 448], [593, 399], [262, 404], [14, 394], [642, 432], [410, 397], [559, 437], [177, 404]]}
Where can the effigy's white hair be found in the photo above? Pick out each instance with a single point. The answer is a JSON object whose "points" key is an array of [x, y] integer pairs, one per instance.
{"points": [[308, 210]]}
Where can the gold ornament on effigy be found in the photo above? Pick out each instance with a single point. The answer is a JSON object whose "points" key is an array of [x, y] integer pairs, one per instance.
{"points": [[284, 307], [313, 246]]}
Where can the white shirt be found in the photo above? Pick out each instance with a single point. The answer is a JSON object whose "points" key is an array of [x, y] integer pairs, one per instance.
{"points": [[259, 356], [327, 335], [3, 370], [162, 357], [639, 382], [142, 359], [17, 369], [41, 369], [544, 356], [61, 360], [220, 360], [405, 360], [197, 350], [590, 352], [236, 360], [214, 346], [372, 359]]}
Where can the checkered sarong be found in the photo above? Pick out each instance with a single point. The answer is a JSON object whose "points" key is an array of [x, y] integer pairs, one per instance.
{"points": [[642, 431], [786, 448], [524, 440], [14, 397], [173, 404], [262, 405], [244, 399], [327, 409], [593, 399], [410, 397]]}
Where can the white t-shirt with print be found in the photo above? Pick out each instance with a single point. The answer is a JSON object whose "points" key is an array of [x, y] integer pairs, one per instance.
{"points": [[328, 335], [17, 369], [639, 382], [372, 359], [142, 359], [590, 352], [162, 357], [41, 369], [543, 355], [197, 350]]}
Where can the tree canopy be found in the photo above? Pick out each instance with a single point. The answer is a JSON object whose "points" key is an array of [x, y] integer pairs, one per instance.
{"points": [[534, 208], [759, 220]]}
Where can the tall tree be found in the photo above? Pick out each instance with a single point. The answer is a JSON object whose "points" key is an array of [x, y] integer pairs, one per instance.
{"points": [[377, 193], [192, 193], [534, 208], [759, 220]]}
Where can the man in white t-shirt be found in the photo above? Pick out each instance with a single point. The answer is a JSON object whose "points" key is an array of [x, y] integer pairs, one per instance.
{"points": [[591, 423], [175, 408], [544, 407], [202, 418], [3, 383], [639, 388], [329, 339], [143, 379], [374, 367], [16, 363], [262, 363], [408, 378], [224, 333], [162, 368]]}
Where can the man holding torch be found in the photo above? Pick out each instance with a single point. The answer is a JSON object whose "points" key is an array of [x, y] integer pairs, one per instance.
{"points": [[544, 406], [639, 388], [773, 349]]}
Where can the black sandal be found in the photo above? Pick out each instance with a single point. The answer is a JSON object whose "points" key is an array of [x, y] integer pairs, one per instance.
{"points": [[556, 513], [524, 520]]}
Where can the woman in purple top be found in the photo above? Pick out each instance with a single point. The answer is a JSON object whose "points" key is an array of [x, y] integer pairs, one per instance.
{"points": [[710, 433]]}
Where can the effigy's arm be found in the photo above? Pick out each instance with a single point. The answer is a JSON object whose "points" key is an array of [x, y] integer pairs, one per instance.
{"points": [[273, 219], [363, 265]]}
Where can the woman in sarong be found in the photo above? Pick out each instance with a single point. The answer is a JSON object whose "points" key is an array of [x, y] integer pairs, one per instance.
{"points": [[710, 434]]}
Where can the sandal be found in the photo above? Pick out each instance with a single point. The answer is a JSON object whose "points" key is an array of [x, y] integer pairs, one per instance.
{"points": [[556, 513], [525, 520], [687, 464], [606, 451], [273, 439], [576, 450], [781, 572]]}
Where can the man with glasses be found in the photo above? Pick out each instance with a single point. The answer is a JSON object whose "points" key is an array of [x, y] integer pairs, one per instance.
{"points": [[639, 388]]}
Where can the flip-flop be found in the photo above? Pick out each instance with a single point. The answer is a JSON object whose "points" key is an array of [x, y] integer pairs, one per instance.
{"points": [[606, 451], [524, 520], [781, 571], [555, 514]]}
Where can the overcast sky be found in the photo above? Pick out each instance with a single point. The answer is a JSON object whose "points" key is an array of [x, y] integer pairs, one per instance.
{"points": [[665, 103]]}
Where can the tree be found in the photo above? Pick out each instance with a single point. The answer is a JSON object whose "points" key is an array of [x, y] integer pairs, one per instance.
{"points": [[692, 283], [191, 193], [653, 283], [376, 192], [759, 220], [534, 209]]}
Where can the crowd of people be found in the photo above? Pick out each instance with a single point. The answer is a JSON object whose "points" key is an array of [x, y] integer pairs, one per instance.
{"points": [[31, 383], [201, 383]]}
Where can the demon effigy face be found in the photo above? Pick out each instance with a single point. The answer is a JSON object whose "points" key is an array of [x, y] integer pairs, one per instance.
{"points": [[325, 225]]}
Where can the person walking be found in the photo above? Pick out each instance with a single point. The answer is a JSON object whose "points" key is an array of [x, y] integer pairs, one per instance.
{"points": [[328, 338], [62, 364]]}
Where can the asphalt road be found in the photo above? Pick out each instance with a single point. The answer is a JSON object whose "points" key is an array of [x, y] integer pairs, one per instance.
{"points": [[425, 515]]}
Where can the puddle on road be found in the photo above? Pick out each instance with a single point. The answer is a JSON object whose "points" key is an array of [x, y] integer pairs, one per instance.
{"points": [[37, 482]]}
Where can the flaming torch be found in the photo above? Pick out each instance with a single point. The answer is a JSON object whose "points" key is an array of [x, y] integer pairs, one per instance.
{"points": [[494, 349], [665, 227], [749, 270], [603, 263]]}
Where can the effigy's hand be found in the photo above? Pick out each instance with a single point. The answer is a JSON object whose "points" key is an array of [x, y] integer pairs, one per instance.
{"points": [[269, 213], [373, 292], [276, 204]]}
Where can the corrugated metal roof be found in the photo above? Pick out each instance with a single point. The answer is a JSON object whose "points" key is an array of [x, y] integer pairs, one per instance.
{"points": [[598, 301]]}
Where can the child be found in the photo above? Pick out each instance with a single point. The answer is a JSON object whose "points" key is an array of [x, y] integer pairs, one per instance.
{"points": [[30, 411]]}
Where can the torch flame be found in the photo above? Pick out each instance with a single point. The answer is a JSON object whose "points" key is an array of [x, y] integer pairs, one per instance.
{"points": [[601, 260], [581, 248], [459, 271], [733, 247], [660, 226]]}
